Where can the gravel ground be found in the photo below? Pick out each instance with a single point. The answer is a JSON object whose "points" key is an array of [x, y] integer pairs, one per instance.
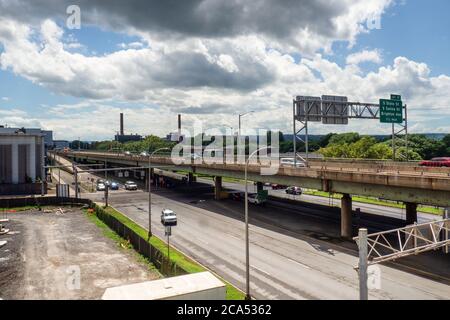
{"points": [[63, 256]]}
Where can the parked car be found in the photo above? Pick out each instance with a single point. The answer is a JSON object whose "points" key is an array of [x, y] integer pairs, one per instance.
{"points": [[144, 154], [436, 162], [168, 217], [130, 185], [294, 190], [101, 187], [278, 186], [127, 153]]}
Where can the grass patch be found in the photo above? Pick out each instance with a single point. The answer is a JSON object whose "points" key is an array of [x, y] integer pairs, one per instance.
{"points": [[420, 208], [121, 242], [176, 256]]}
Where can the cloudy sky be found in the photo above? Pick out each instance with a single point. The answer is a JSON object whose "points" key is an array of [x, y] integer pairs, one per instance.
{"points": [[211, 60]]}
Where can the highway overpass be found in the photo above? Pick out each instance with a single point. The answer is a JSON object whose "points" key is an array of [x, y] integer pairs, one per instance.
{"points": [[405, 182]]}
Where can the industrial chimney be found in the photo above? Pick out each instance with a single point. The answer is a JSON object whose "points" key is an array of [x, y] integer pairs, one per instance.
{"points": [[121, 124], [179, 128]]}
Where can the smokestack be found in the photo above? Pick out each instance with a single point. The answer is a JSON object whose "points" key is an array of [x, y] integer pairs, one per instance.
{"points": [[179, 128], [121, 124]]}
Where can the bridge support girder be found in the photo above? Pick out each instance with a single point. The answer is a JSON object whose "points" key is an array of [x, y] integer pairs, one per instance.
{"points": [[346, 216]]}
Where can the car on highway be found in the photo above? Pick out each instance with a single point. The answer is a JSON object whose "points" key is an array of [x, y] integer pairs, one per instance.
{"points": [[131, 185], [237, 195], [436, 162], [294, 190], [127, 153], [168, 217], [112, 185], [144, 154], [255, 199], [278, 186], [289, 162], [101, 186]]}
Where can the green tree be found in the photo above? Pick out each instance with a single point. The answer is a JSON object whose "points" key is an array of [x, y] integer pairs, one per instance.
{"points": [[349, 137]]}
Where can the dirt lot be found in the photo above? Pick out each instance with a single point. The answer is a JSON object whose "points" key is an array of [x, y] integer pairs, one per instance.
{"points": [[63, 256]]}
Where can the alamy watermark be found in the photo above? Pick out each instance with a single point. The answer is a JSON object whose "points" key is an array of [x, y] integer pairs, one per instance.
{"points": [[73, 280], [216, 146], [74, 17]]}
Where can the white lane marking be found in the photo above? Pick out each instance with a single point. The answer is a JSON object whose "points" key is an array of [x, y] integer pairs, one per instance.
{"points": [[260, 270], [230, 235], [299, 263]]}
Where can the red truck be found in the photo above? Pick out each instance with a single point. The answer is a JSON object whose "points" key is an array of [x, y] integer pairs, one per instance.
{"points": [[436, 162]]}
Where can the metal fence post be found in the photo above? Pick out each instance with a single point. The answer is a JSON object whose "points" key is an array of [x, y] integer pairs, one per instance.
{"points": [[362, 267]]}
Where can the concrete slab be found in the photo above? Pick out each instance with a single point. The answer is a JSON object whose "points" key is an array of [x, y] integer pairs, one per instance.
{"points": [[197, 286]]}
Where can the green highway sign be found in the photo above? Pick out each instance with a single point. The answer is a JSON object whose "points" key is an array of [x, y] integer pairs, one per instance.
{"points": [[396, 97], [391, 111]]}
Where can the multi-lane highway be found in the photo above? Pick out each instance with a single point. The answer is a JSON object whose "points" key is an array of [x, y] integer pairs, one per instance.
{"points": [[295, 252], [293, 256]]}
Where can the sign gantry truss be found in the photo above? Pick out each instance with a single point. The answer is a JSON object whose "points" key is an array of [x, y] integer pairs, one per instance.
{"points": [[337, 110], [410, 240]]}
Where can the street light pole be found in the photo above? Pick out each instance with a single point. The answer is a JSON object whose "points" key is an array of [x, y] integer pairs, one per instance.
{"points": [[240, 116], [150, 190], [247, 241]]}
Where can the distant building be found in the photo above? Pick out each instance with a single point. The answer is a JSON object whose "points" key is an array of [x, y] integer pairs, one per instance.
{"points": [[127, 137], [22, 156], [174, 137]]}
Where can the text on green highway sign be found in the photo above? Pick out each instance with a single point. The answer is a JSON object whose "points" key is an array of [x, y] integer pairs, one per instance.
{"points": [[391, 111]]}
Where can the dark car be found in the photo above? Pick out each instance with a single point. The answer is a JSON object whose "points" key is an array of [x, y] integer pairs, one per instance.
{"points": [[278, 186], [294, 190], [112, 185], [237, 196], [436, 162]]}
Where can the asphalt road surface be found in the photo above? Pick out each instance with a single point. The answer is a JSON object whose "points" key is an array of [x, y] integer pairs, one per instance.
{"points": [[292, 256]]}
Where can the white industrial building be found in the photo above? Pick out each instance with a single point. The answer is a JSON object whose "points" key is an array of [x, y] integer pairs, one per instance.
{"points": [[22, 156]]}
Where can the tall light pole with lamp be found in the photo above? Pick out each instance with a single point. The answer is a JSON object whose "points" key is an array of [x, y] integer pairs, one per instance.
{"points": [[240, 116], [150, 190], [247, 241]]}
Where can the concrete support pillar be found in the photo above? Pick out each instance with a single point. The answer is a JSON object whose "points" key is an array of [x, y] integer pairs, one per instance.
{"points": [[31, 164], [259, 186], [411, 213], [217, 187], [191, 178], [15, 163], [346, 216]]}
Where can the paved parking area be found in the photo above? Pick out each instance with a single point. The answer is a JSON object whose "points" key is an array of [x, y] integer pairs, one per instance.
{"points": [[63, 256]]}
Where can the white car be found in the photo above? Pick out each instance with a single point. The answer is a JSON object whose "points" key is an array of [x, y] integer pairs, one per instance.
{"points": [[101, 187], [168, 217], [253, 198], [289, 162]]}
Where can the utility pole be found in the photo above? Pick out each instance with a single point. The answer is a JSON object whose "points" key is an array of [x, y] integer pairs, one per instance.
{"points": [[362, 266], [75, 173]]}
